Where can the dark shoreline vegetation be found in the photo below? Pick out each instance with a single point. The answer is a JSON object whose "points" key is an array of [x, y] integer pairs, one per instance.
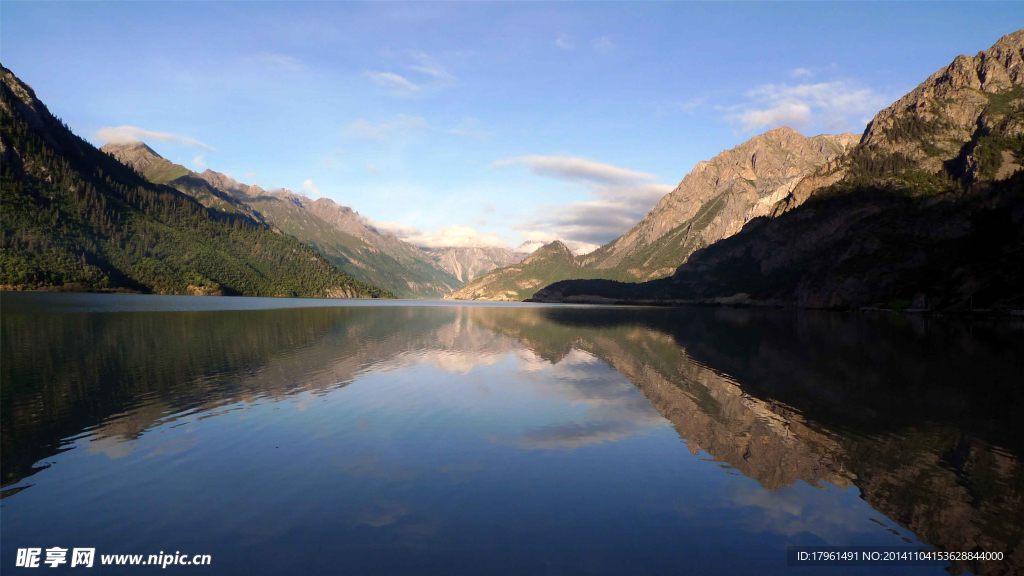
{"points": [[74, 218]]}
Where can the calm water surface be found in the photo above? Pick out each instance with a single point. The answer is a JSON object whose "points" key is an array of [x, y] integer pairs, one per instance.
{"points": [[306, 436]]}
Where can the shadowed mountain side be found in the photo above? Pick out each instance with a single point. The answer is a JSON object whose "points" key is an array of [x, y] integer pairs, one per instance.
{"points": [[714, 201], [926, 212], [849, 249]]}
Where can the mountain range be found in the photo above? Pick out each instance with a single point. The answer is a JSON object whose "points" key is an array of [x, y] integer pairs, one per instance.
{"points": [[925, 212], [712, 202], [468, 262], [922, 210], [337, 232], [76, 219]]}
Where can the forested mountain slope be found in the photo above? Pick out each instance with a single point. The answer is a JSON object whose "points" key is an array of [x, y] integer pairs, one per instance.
{"points": [[73, 218], [337, 232]]}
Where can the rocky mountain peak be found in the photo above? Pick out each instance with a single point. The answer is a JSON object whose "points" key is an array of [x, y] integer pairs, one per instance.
{"points": [[34, 111], [137, 155], [720, 195], [555, 250], [972, 97]]}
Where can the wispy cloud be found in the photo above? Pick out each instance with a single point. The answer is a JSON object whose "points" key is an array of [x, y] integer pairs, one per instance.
{"points": [[585, 225], [281, 62], [426, 64], [565, 41], [199, 162], [835, 105], [471, 127], [309, 189], [444, 237], [806, 73], [574, 168], [371, 169], [691, 105], [620, 197], [384, 130], [125, 134], [603, 44], [428, 72], [390, 80]]}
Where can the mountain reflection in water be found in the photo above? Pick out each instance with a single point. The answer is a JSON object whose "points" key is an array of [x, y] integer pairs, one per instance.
{"points": [[920, 417]]}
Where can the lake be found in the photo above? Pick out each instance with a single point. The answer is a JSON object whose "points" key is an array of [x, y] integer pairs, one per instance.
{"points": [[369, 437]]}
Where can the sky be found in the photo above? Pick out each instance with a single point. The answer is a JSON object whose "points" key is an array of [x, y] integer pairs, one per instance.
{"points": [[484, 124]]}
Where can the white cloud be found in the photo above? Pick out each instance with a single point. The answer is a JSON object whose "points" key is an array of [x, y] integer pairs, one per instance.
{"points": [[801, 73], [574, 168], [382, 131], [126, 134], [198, 162], [565, 41], [478, 134], [587, 224], [471, 127], [371, 169], [419, 63], [693, 104], [620, 197], [529, 246], [445, 237], [785, 114], [603, 44], [308, 189], [838, 104], [282, 62], [393, 81], [426, 64], [538, 238]]}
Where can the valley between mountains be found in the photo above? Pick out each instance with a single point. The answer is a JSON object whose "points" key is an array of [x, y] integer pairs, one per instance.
{"points": [[923, 210]]}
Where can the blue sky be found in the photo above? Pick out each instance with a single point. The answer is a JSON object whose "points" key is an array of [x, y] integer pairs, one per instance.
{"points": [[472, 123]]}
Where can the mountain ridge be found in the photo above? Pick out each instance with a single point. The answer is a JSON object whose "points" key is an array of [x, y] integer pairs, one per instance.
{"points": [[337, 232], [713, 201], [74, 218], [926, 212]]}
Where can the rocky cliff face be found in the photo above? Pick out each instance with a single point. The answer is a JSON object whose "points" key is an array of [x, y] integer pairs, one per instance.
{"points": [[466, 263], [926, 212], [760, 177], [717, 198], [948, 116], [550, 263]]}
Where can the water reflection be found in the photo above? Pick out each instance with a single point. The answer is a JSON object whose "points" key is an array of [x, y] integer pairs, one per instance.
{"points": [[460, 415]]}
